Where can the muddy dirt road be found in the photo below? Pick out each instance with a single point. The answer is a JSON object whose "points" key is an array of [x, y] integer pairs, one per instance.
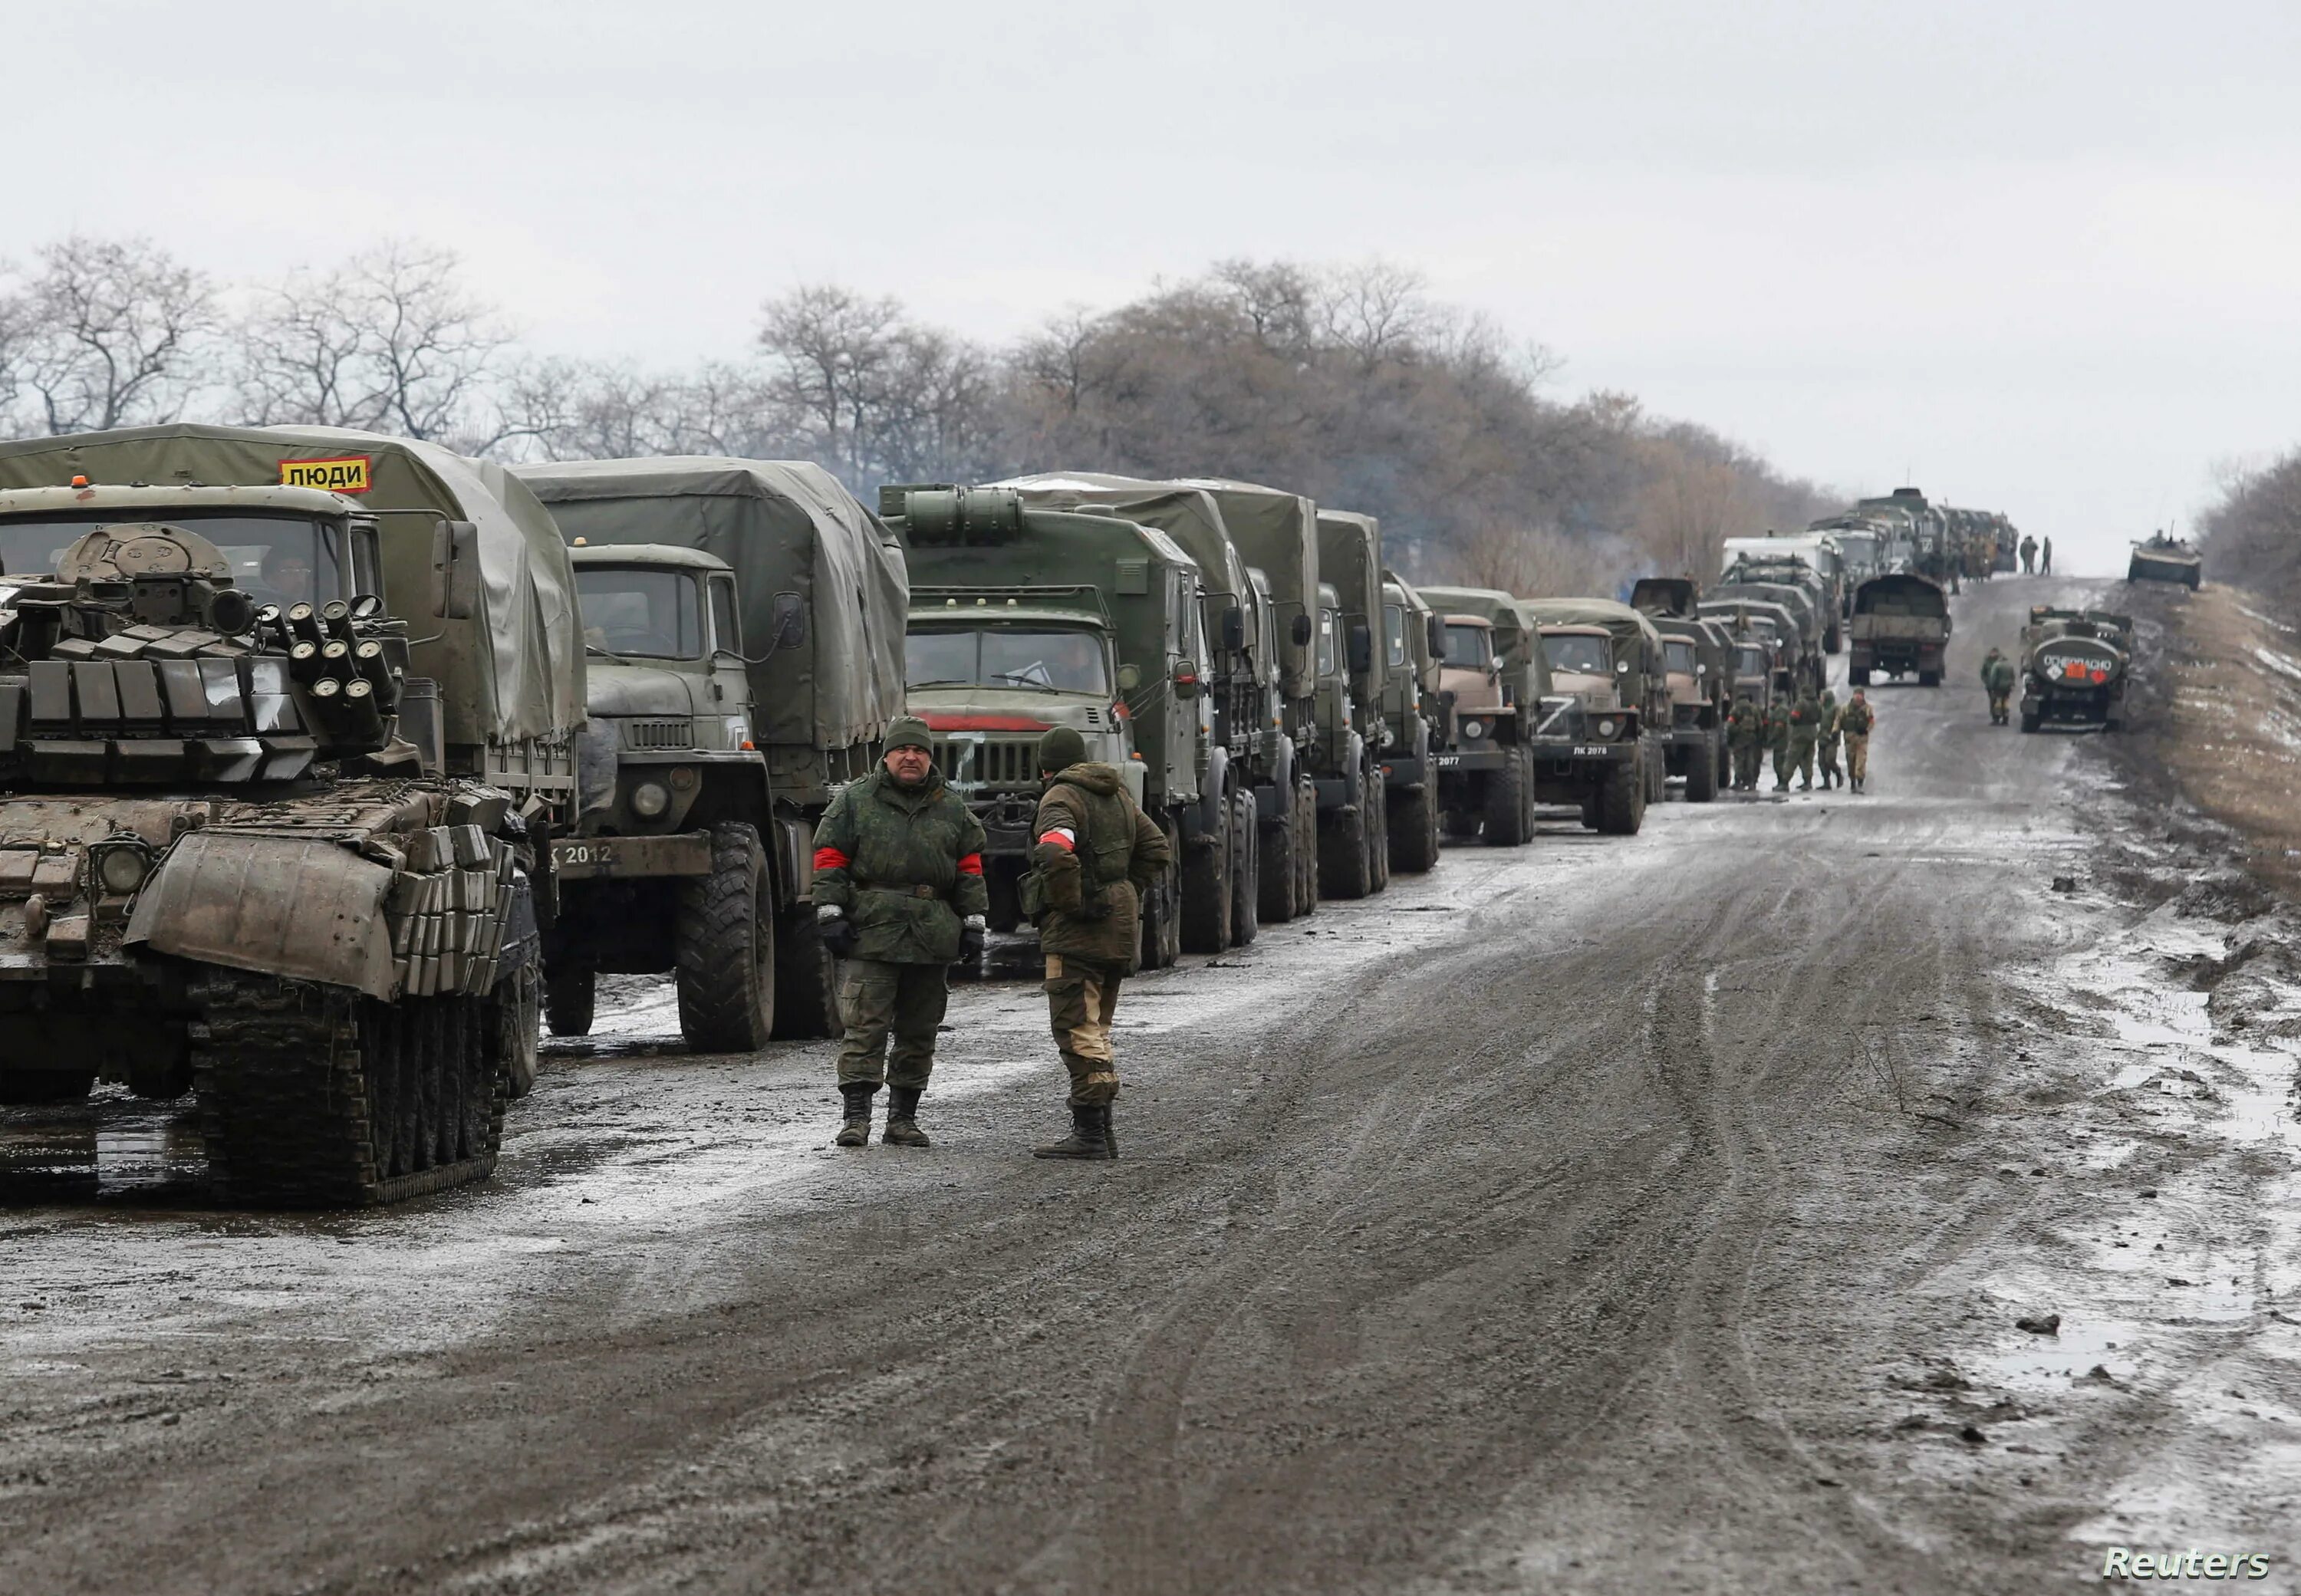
{"points": [[1602, 1215]]}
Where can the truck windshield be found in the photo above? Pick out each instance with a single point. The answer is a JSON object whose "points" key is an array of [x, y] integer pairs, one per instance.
{"points": [[1750, 662], [1394, 635], [1679, 655], [275, 559], [635, 610], [1055, 660], [1326, 629], [1469, 648], [1576, 653]]}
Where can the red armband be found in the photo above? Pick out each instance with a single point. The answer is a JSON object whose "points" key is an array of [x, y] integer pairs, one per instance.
{"points": [[970, 863], [1061, 838], [830, 858]]}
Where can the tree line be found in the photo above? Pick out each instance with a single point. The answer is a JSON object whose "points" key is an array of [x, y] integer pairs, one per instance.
{"points": [[1350, 383], [2252, 532]]}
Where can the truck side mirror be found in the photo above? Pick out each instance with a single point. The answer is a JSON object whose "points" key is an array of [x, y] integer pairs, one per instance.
{"points": [[1437, 636], [1186, 679], [1301, 633], [455, 569], [1361, 648], [1233, 629], [787, 623]]}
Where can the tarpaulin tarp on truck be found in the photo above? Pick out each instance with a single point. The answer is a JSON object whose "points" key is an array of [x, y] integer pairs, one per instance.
{"points": [[786, 528]]}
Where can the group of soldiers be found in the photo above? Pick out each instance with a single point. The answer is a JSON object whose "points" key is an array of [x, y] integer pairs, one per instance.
{"points": [[2029, 550], [900, 897], [1800, 733]]}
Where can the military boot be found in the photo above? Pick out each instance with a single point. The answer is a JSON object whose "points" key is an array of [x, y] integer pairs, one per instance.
{"points": [[857, 1131], [1089, 1137], [902, 1122]]}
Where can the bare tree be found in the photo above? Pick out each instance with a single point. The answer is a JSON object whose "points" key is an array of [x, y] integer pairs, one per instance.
{"points": [[831, 352], [113, 333]]}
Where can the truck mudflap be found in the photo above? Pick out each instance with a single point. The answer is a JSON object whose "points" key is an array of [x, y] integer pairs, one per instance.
{"points": [[624, 859], [1405, 770], [290, 907]]}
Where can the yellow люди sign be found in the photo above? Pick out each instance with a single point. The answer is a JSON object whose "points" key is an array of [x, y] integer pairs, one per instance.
{"points": [[348, 473]]}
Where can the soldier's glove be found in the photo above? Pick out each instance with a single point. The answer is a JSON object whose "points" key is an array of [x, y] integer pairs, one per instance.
{"points": [[970, 938], [835, 931]]}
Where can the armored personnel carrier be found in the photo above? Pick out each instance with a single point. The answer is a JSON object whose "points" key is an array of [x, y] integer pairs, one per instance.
{"points": [[2161, 557], [257, 842], [2074, 664]]}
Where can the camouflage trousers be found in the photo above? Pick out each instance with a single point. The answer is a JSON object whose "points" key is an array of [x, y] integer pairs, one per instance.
{"points": [[1999, 707], [1826, 754], [1747, 759], [1802, 761], [1857, 756], [1082, 999], [1782, 767], [876, 998]]}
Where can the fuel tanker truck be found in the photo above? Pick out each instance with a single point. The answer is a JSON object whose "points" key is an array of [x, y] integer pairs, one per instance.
{"points": [[1025, 618], [287, 719], [2074, 664]]}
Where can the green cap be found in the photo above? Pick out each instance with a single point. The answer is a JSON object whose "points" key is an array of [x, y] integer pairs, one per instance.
{"points": [[1061, 748], [909, 731]]}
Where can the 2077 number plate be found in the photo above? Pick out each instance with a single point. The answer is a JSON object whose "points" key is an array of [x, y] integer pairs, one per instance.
{"points": [[1448, 761]]}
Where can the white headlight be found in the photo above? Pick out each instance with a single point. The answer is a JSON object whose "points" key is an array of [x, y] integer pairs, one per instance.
{"points": [[120, 869], [1474, 728], [650, 799], [1608, 727]]}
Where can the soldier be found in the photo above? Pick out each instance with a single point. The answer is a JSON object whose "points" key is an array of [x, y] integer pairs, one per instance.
{"points": [[1997, 677], [1777, 742], [1745, 734], [1826, 749], [900, 897], [1805, 730], [1095, 857], [1855, 721], [2029, 557], [2045, 557]]}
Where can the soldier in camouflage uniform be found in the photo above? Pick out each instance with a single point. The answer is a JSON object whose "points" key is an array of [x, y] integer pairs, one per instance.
{"points": [[1805, 731], [1855, 721], [1777, 742], [1825, 750], [1094, 856], [900, 897], [1745, 734], [1998, 679]]}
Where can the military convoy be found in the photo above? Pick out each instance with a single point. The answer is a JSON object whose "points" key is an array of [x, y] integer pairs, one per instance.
{"points": [[2074, 665]]}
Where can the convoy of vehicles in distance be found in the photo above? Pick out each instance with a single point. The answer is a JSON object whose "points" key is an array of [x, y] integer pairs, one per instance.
{"points": [[1901, 627]]}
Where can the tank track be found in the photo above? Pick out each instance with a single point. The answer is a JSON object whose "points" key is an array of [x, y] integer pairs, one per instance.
{"points": [[311, 1096]]}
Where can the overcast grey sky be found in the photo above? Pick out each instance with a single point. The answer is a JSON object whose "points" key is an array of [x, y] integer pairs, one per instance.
{"points": [[2039, 257]]}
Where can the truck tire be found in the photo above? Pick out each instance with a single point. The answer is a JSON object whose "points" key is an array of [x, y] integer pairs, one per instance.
{"points": [[1378, 833], [1162, 913], [1506, 803], [1414, 831], [1622, 802], [1343, 853], [1245, 870], [1833, 641], [568, 996], [1857, 675], [1206, 892], [724, 947], [1701, 771], [1276, 880], [1928, 678], [2029, 720], [21, 1089], [806, 981]]}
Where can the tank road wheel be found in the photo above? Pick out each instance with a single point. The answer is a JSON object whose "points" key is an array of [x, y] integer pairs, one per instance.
{"points": [[1206, 925], [1506, 803], [1277, 875], [1245, 870], [724, 947], [1306, 850], [1343, 853], [1701, 771], [1414, 831], [807, 986], [568, 997], [515, 1027], [1622, 802], [1377, 787], [314, 1097]]}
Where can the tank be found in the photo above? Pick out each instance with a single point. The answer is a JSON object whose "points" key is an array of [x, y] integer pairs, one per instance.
{"points": [[2161, 557], [2074, 667]]}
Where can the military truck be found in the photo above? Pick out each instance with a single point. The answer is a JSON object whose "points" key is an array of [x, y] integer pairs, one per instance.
{"points": [[2074, 665], [1598, 742], [1861, 543], [744, 619], [2163, 558], [1414, 649], [1700, 665], [1492, 679], [1901, 626], [1917, 538], [1354, 832], [278, 766], [1790, 663], [1251, 750], [1024, 618], [1797, 589], [1811, 559]]}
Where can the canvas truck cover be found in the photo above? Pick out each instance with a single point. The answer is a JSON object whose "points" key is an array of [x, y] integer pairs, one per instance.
{"points": [[1625, 622], [1188, 516], [1517, 634], [784, 527], [1277, 533], [516, 672]]}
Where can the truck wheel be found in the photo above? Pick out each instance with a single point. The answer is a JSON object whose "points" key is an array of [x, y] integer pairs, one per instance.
{"points": [[1928, 678], [514, 1032], [1857, 675], [1701, 771], [1506, 809], [1622, 803], [724, 947], [2029, 720], [567, 1001], [1378, 833], [27, 1088], [1205, 893], [807, 983], [1414, 831], [1343, 853], [1245, 870], [1162, 913], [1834, 640], [1276, 880], [1590, 813], [2113, 723]]}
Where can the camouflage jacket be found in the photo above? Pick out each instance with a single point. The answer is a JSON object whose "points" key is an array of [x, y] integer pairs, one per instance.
{"points": [[1745, 726], [1830, 712], [905, 864], [1095, 854], [1856, 719], [1805, 722], [1777, 725], [1998, 673]]}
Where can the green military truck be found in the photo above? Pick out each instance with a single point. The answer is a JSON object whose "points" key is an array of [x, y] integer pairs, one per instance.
{"points": [[1700, 664], [1414, 651], [1024, 618], [277, 767], [744, 622], [1901, 626], [1249, 751], [1493, 679], [1354, 832], [2074, 667], [1598, 742]]}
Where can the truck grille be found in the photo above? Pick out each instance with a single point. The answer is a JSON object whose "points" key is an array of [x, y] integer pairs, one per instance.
{"points": [[1012, 762], [659, 734]]}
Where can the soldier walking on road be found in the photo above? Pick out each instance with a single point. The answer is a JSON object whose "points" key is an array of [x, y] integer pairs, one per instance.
{"points": [[1805, 730], [2029, 557], [1746, 735], [1857, 721], [1997, 676], [2045, 557], [1826, 749], [1777, 742], [900, 897], [1093, 857]]}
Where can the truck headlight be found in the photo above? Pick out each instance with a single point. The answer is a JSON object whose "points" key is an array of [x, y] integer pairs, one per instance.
{"points": [[650, 799], [1608, 726], [1474, 729]]}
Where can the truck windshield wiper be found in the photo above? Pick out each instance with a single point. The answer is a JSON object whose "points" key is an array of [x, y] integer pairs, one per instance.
{"points": [[1044, 687], [943, 681]]}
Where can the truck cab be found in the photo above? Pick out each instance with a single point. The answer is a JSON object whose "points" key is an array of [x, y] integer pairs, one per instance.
{"points": [[1491, 678]]}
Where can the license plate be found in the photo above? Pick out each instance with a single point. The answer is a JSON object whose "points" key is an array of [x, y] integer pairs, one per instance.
{"points": [[1593, 750], [1448, 761]]}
